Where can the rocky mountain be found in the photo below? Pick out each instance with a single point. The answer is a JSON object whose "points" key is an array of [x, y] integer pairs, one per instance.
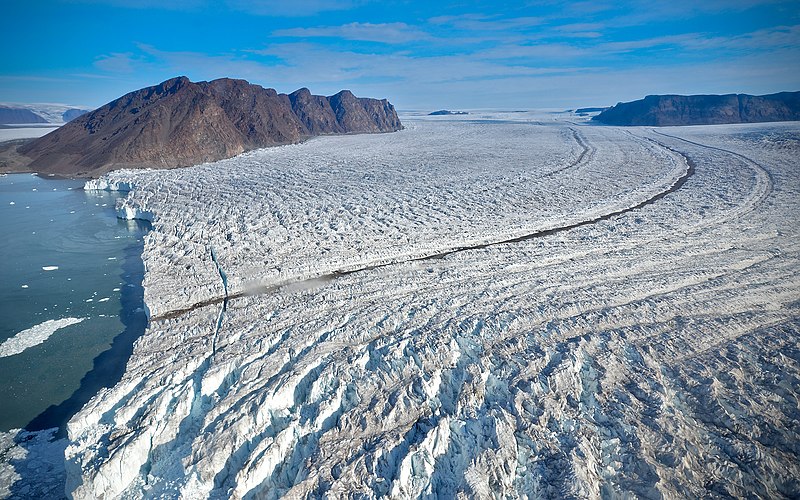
{"points": [[664, 110], [73, 113], [19, 115], [180, 123]]}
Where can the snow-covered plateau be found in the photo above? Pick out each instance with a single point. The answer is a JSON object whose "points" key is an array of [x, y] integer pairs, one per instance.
{"points": [[488, 309]]}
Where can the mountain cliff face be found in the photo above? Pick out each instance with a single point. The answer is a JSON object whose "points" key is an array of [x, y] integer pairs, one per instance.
{"points": [[180, 123], [664, 110]]}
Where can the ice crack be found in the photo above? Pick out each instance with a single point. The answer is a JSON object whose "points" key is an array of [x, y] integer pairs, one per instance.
{"points": [[224, 307]]}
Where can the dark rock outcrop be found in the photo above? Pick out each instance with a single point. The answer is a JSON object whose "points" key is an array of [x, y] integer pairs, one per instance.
{"points": [[589, 110], [315, 112], [444, 112], [181, 123], [73, 113], [664, 110], [19, 115]]}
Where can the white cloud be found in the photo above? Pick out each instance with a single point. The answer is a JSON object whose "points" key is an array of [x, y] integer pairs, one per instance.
{"points": [[510, 70], [295, 8], [116, 62], [779, 37], [277, 8], [638, 13], [384, 33], [480, 22], [151, 4]]}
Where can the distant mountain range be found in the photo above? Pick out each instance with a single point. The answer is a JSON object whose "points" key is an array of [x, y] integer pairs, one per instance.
{"points": [[664, 110], [19, 115], [181, 123], [38, 113], [71, 114]]}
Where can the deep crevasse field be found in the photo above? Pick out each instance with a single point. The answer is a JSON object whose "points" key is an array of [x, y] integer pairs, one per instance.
{"points": [[652, 353]]}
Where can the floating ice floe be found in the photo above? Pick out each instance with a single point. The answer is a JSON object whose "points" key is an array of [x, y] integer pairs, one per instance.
{"points": [[49, 268], [34, 335]]}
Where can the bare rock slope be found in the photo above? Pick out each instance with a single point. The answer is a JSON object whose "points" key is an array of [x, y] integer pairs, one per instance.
{"points": [[180, 123], [666, 110]]}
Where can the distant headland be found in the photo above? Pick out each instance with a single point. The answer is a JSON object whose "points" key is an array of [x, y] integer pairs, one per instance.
{"points": [[181, 123], [665, 110]]}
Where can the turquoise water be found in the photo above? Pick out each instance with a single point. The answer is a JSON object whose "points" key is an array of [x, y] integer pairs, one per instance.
{"points": [[64, 256]]}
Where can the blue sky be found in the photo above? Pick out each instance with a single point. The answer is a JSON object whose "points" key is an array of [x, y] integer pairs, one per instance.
{"points": [[418, 54]]}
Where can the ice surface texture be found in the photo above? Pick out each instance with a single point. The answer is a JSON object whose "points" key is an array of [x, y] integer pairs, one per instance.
{"points": [[301, 342]]}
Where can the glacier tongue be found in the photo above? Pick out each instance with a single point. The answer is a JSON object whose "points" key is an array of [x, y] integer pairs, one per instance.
{"points": [[316, 351]]}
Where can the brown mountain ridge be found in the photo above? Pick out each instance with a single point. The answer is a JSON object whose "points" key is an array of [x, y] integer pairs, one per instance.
{"points": [[181, 123]]}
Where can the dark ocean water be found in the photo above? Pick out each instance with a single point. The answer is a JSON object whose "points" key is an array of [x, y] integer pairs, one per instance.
{"points": [[70, 297]]}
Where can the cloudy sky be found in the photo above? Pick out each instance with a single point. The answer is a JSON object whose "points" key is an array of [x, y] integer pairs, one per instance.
{"points": [[419, 54]]}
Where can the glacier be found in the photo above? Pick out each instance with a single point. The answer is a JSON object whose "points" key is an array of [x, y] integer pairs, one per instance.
{"points": [[509, 306]]}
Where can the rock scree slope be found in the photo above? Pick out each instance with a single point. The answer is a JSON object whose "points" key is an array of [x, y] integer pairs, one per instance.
{"points": [[667, 110], [180, 123]]}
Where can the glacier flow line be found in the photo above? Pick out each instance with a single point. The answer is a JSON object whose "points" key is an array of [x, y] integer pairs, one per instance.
{"points": [[753, 165], [586, 150], [224, 278], [690, 170], [678, 184]]}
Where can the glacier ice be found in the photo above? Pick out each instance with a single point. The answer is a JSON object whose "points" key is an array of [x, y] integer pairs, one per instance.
{"points": [[531, 309], [104, 184], [32, 464]]}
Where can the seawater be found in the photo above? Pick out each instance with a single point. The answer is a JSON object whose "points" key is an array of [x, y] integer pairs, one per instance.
{"points": [[70, 278]]}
